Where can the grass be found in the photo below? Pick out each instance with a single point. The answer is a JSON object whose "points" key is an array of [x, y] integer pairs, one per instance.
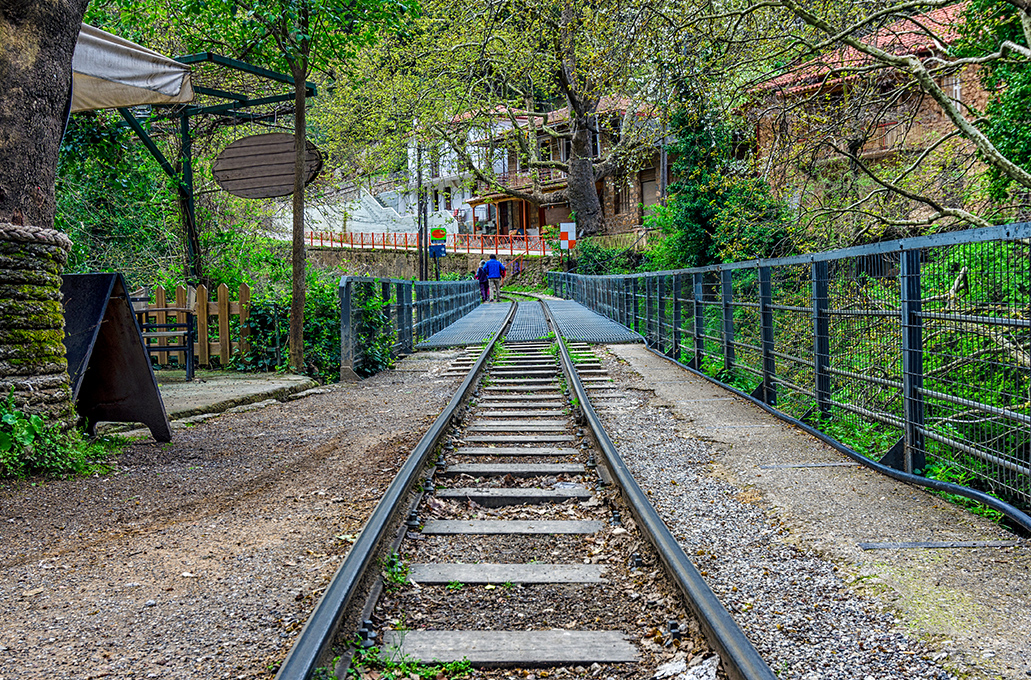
{"points": [[395, 572], [394, 666]]}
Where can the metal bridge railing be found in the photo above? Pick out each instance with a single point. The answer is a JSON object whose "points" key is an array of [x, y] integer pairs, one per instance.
{"points": [[917, 351], [380, 317]]}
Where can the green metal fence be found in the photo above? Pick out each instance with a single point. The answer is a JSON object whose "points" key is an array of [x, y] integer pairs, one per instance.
{"points": [[916, 352]]}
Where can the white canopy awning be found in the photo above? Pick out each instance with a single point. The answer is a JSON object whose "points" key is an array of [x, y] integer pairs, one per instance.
{"points": [[109, 72]]}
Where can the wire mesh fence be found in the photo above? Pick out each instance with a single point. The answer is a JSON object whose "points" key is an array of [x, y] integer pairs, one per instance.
{"points": [[915, 352], [383, 318]]}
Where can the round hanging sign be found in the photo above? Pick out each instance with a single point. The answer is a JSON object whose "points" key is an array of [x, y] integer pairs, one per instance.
{"points": [[262, 166]]}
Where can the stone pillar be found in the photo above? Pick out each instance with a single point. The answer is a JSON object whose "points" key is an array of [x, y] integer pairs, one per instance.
{"points": [[32, 353]]}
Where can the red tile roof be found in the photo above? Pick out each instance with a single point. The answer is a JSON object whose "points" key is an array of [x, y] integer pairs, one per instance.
{"points": [[920, 35]]}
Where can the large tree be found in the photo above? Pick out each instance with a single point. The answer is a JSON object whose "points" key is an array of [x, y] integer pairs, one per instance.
{"points": [[302, 36], [880, 118], [37, 40], [488, 75]]}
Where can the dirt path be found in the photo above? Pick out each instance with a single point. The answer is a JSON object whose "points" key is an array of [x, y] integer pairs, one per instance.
{"points": [[203, 557]]}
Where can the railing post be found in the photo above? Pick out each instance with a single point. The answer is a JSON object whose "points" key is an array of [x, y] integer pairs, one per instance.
{"points": [[727, 297], [628, 306], [385, 294], [678, 317], [821, 338], [649, 309], [346, 329], [660, 294], [420, 309], [636, 306], [766, 322], [699, 320], [912, 361]]}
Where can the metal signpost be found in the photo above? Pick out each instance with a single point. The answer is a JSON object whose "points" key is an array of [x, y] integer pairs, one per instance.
{"points": [[438, 247]]}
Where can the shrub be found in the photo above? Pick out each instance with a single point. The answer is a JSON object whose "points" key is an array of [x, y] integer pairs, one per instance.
{"points": [[31, 445], [269, 325]]}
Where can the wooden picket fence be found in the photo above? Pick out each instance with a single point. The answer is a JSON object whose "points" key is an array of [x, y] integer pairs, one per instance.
{"points": [[212, 317]]}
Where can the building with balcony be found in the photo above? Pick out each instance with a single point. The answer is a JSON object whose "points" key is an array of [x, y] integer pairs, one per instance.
{"points": [[459, 200]]}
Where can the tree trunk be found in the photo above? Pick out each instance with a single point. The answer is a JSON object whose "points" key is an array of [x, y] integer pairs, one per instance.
{"points": [[583, 194], [299, 70], [37, 40]]}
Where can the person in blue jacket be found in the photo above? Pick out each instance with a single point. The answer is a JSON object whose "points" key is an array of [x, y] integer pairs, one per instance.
{"points": [[495, 270]]}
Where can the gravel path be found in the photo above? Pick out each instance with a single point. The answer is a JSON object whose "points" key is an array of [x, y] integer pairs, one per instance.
{"points": [[778, 547], [202, 558]]}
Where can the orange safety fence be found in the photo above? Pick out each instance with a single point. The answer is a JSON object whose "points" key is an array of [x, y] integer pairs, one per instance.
{"points": [[502, 244]]}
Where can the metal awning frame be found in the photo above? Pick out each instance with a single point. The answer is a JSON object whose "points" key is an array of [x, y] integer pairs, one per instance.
{"points": [[235, 105]]}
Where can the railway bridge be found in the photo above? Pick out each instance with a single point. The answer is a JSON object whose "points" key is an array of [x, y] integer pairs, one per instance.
{"points": [[584, 473]]}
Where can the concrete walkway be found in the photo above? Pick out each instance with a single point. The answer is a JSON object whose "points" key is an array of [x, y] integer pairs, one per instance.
{"points": [[213, 392], [217, 391]]}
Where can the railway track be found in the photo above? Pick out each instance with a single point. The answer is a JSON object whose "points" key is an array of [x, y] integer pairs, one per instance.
{"points": [[514, 537]]}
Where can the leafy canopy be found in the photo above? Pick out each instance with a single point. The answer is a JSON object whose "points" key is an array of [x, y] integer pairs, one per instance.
{"points": [[717, 210], [1007, 120]]}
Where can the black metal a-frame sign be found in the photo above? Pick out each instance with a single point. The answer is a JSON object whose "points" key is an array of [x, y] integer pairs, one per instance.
{"points": [[235, 105]]}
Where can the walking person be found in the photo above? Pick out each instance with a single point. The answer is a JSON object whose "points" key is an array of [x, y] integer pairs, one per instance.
{"points": [[495, 270], [481, 276]]}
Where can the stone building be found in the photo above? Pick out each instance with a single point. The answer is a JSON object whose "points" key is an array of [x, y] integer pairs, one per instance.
{"points": [[821, 122]]}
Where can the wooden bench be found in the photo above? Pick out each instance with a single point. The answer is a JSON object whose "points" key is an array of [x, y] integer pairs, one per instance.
{"points": [[157, 334]]}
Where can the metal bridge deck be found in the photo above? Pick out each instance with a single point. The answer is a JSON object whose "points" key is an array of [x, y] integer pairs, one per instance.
{"points": [[576, 322], [472, 329], [529, 323]]}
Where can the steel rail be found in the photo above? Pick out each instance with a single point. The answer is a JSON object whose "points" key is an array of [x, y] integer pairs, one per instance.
{"points": [[1018, 517], [740, 659], [313, 644]]}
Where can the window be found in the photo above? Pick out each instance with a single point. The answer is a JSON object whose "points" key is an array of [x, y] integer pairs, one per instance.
{"points": [[447, 198], [649, 187], [952, 85], [621, 196], [436, 201]]}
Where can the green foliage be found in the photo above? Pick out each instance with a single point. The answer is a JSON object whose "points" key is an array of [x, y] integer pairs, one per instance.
{"points": [[455, 585], [594, 259], [31, 445], [717, 211], [1007, 117], [269, 324], [949, 471], [454, 276], [114, 201], [395, 572], [393, 666], [281, 33], [866, 437]]}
